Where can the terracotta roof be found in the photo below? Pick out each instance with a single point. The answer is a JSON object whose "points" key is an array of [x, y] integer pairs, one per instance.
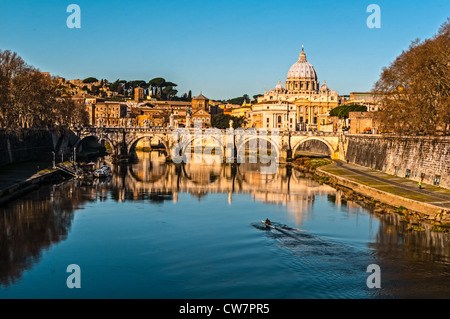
{"points": [[200, 97]]}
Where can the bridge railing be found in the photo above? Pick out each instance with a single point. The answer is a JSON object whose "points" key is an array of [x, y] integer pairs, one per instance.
{"points": [[140, 129]]}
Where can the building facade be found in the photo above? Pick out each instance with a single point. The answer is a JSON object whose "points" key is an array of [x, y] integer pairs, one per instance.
{"points": [[138, 94], [200, 111], [107, 113], [312, 101], [281, 115]]}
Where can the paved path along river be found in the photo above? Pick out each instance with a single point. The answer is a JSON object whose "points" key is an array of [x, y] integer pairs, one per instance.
{"points": [[396, 185]]}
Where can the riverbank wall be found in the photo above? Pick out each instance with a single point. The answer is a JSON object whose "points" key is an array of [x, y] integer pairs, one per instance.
{"points": [[419, 158], [418, 214], [23, 145], [424, 210], [34, 182], [29, 144]]}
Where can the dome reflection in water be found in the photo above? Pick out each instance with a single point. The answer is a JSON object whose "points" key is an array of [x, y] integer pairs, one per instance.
{"points": [[159, 230]]}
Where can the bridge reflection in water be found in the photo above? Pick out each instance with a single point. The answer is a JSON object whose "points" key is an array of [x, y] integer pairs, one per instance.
{"points": [[43, 218], [153, 179]]}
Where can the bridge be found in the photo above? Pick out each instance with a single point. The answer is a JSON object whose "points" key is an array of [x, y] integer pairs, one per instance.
{"points": [[284, 143]]}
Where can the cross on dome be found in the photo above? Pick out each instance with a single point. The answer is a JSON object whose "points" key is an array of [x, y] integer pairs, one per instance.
{"points": [[302, 56]]}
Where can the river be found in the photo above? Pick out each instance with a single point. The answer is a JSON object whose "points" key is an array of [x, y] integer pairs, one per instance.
{"points": [[159, 230]]}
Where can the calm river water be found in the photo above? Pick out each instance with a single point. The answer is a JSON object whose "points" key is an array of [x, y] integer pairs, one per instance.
{"points": [[156, 230]]}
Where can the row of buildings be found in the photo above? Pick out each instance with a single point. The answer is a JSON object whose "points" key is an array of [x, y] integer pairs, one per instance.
{"points": [[301, 104]]}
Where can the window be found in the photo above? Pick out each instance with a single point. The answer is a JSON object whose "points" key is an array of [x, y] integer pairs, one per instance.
{"points": [[267, 120], [315, 120], [437, 180], [290, 120], [301, 119], [279, 119]]}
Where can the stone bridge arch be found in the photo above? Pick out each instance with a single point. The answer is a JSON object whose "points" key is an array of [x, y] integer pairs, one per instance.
{"points": [[331, 143], [98, 139], [248, 138], [133, 140]]}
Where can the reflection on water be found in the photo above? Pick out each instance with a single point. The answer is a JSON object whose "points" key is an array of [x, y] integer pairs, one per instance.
{"points": [[32, 224], [44, 218]]}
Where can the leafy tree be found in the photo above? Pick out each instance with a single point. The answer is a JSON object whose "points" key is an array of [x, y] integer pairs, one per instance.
{"points": [[115, 86], [138, 83], [342, 111], [95, 89], [239, 100], [222, 121], [169, 91], [90, 80], [157, 84]]}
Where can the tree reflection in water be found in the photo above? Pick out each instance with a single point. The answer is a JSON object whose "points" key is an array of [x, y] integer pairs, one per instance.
{"points": [[44, 217], [31, 224]]}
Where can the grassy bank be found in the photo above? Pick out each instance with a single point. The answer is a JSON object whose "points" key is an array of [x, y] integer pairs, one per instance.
{"points": [[376, 197]]}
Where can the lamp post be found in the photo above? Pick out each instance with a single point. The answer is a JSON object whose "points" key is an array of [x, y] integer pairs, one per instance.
{"points": [[53, 162]]}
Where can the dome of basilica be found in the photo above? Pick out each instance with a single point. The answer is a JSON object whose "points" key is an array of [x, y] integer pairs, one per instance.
{"points": [[302, 69]]}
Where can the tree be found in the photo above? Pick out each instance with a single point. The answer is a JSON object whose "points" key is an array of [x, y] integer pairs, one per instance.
{"points": [[255, 97], [114, 87], [415, 88], [157, 84], [222, 121], [169, 91], [239, 100], [342, 111], [90, 80], [30, 98]]}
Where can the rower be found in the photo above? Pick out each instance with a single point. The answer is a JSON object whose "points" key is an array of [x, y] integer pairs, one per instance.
{"points": [[268, 223]]}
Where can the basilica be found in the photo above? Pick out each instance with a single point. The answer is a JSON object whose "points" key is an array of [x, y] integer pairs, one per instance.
{"points": [[302, 104]]}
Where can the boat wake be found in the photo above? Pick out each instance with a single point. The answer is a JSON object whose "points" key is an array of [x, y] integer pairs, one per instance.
{"points": [[301, 242]]}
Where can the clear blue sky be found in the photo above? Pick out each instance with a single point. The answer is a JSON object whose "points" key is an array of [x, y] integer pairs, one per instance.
{"points": [[223, 48]]}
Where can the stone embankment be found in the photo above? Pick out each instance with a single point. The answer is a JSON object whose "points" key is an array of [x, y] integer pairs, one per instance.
{"points": [[34, 182], [418, 158], [382, 193]]}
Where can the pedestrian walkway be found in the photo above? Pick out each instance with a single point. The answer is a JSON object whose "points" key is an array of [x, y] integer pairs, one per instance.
{"points": [[399, 186]]}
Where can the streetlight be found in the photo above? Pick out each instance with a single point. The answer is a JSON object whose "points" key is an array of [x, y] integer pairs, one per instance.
{"points": [[54, 164]]}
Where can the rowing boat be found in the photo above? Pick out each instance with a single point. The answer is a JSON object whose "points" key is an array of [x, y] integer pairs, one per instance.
{"points": [[267, 225]]}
